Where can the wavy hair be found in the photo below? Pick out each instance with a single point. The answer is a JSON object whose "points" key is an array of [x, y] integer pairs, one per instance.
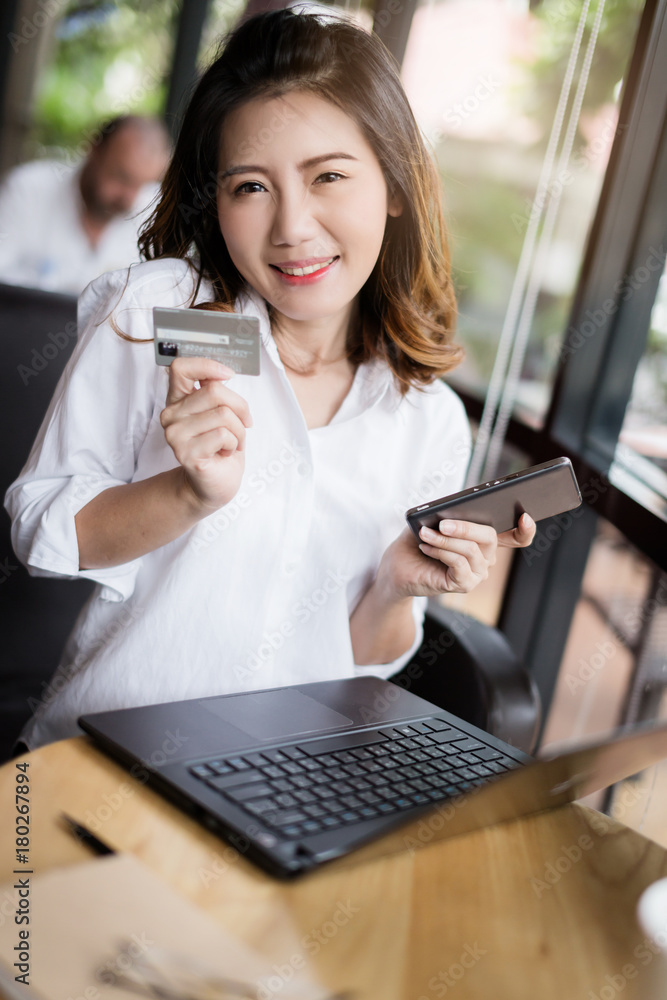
{"points": [[407, 305]]}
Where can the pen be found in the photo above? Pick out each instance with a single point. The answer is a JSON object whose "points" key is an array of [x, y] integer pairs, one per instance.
{"points": [[86, 837]]}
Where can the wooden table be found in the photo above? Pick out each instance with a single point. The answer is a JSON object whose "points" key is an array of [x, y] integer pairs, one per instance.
{"points": [[520, 910]]}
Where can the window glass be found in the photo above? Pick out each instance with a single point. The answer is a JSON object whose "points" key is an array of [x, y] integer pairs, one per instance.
{"points": [[614, 669], [484, 79], [642, 446], [105, 59], [222, 16]]}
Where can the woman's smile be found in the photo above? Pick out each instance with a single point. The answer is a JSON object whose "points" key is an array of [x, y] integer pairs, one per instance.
{"points": [[305, 271]]}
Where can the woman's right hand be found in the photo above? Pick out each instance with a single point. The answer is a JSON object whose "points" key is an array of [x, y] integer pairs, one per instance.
{"points": [[205, 428]]}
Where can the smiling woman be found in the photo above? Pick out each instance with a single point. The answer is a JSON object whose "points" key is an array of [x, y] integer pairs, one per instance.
{"points": [[300, 193]]}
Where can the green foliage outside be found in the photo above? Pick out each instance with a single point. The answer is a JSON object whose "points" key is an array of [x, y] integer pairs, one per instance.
{"points": [[110, 58]]}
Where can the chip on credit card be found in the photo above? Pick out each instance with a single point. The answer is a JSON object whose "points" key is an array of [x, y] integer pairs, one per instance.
{"points": [[226, 337]]}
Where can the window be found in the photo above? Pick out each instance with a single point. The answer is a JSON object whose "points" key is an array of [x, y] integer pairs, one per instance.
{"points": [[609, 344], [614, 669], [642, 444], [484, 79], [105, 60]]}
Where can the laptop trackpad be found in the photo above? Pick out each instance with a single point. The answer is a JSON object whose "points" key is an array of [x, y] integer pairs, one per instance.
{"points": [[273, 715]]}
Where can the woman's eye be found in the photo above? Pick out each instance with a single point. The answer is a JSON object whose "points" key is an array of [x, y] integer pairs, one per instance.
{"points": [[328, 177], [250, 187]]}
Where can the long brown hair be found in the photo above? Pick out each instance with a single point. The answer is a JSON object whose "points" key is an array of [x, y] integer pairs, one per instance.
{"points": [[407, 305]]}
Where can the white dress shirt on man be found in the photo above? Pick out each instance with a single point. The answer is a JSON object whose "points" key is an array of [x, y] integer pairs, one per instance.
{"points": [[42, 242], [258, 594]]}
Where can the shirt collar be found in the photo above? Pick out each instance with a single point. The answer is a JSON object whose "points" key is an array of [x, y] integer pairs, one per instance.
{"points": [[251, 304], [373, 379]]}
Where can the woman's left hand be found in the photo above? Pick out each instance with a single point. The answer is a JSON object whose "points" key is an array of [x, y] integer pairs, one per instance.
{"points": [[452, 560]]}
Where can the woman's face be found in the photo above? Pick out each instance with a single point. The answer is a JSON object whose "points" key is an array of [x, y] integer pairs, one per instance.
{"points": [[301, 190]]}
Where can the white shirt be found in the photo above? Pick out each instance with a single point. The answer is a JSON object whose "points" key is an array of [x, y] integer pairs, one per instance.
{"points": [[258, 594], [42, 242]]}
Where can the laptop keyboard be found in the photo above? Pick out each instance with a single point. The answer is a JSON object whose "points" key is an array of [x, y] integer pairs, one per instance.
{"points": [[310, 787]]}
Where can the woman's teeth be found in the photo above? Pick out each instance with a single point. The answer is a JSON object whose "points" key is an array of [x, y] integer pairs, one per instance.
{"points": [[306, 270]]}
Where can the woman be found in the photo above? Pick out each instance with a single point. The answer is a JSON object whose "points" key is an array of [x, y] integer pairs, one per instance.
{"points": [[248, 532]]}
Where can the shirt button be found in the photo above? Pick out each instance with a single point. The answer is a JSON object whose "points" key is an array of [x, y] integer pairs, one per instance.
{"points": [[303, 469], [289, 569]]}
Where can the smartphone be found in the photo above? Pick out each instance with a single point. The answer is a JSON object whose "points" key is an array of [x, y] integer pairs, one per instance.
{"points": [[541, 491]]}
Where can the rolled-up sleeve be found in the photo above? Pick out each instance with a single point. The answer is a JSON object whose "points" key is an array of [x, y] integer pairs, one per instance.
{"points": [[89, 439]]}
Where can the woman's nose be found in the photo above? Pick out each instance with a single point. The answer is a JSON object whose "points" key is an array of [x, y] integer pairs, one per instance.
{"points": [[293, 222]]}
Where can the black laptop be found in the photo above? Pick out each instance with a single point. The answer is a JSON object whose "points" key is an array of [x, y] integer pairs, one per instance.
{"points": [[297, 776]]}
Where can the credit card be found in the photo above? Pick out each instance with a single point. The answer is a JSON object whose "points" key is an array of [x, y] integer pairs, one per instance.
{"points": [[200, 333]]}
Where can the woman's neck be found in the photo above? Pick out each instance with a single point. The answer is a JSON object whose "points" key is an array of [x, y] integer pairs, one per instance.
{"points": [[311, 348]]}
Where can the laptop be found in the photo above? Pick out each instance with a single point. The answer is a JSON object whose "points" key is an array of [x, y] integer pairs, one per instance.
{"points": [[294, 777]]}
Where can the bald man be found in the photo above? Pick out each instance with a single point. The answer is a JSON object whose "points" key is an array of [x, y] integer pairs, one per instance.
{"points": [[63, 225]]}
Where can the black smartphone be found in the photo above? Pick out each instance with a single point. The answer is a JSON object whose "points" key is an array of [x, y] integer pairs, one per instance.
{"points": [[541, 491]]}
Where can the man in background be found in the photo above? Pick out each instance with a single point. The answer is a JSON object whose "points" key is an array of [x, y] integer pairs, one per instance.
{"points": [[63, 225]]}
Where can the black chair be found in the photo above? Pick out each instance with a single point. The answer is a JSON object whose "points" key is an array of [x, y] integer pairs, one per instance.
{"points": [[469, 669], [37, 334], [463, 666]]}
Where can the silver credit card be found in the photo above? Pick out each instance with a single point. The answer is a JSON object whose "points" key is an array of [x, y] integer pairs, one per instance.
{"points": [[201, 333]]}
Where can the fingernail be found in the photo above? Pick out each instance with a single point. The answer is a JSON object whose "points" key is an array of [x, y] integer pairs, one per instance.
{"points": [[447, 527], [527, 521], [427, 532]]}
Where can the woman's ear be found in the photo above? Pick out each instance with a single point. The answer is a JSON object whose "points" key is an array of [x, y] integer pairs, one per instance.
{"points": [[394, 204]]}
